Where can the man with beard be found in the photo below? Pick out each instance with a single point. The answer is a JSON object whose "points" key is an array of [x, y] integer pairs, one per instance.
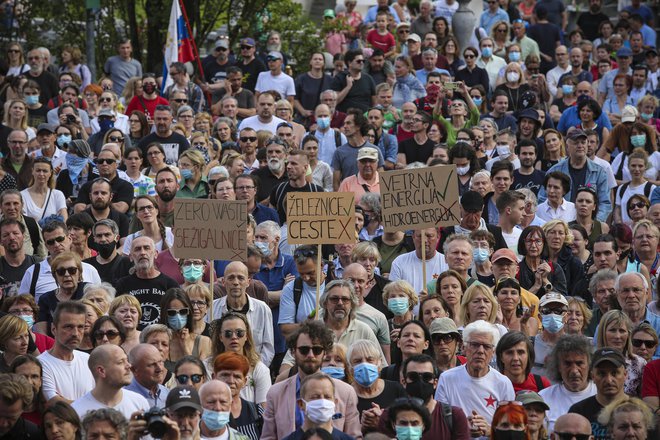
{"points": [[588, 21], [108, 262], [19, 163], [271, 176], [100, 195], [112, 372], [576, 58], [15, 262], [146, 284], [65, 373], [148, 367], [296, 169], [264, 119], [122, 191], [234, 88], [527, 176], [309, 344], [173, 143]]}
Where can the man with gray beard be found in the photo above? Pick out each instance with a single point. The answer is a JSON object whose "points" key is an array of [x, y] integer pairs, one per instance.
{"points": [[271, 176], [146, 283]]}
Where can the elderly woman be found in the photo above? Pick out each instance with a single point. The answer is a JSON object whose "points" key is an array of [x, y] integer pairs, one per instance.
{"points": [[514, 85], [462, 114], [627, 418], [508, 294], [451, 286], [92, 314], [579, 316], [178, 318], [14, 340], [478, 303], [589, 111], [367, 255], [615, 330], [245, 416], [234, 163], [335, 364], [401, 299], [559, 239], [515, 358], [100, 295], [407, 87], [24, 307], [67, 271], [644, 341], [536, 275], [365, 360], [637, 209], [232, 333], [223, 189], [481, 183], [647, 106], [108, 330], [446, 341], [128, 311]]}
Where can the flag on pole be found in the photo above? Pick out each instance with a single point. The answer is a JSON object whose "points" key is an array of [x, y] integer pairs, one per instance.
{"points": [[179, 44]]}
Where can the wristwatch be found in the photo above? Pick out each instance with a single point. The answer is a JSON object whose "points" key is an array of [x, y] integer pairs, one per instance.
{"points": [[547, 288]]}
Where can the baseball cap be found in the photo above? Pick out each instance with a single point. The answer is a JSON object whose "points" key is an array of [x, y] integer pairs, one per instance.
{"points": [[652, 51], [528, 397], [403, 24], [183, 397], [106, 112], [472, 201], [577, 134], [414, 37], [624, 52], [608, 354], [273, 54], [503, 254], [629, 114], [46, 127], [552, 297], [248, 42], [367, 153], [222, 42], [443, 325], [328, 13]]}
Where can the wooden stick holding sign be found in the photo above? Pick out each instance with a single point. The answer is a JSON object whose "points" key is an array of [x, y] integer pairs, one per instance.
{"points": [[211, 273], [418, 199], [320, 218]]}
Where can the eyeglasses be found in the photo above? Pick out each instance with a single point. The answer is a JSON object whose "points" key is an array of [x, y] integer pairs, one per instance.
{"points": [[639, 205], [316, 349], [338, 299], [154, 153], [110, 334], [199, 145], [639, 342], [180, 312], [244, 188], [248, 139], [21, 312], [115, 139], [570, 436], [537, 242], [553, 310], [145, 208], [184, 378], [478, 345], [436, 338], [414, 376], [180, 101], [66, 270], [52, 241], [104, 161], [230, 333], [403, 31], [198, 304]]}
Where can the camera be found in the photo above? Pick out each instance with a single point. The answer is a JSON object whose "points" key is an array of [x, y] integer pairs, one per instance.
{"points": [[71, 119], [155, 423]]}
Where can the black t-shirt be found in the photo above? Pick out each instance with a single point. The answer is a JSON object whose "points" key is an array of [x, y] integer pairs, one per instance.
{"points": [[415, 152], [49, 85], [122, 191], [10, 276], [578, 178], [391, 391], [245, 98], [120, 218], [174, 145], [533, 182], [308, 89], [546, 35], [590, 408], [37, 116], [214, 72], [359, 96], [267, 182], [148, 292], [278, 196], [251, 72], [589, 23], [112, 271], [48, 303]]}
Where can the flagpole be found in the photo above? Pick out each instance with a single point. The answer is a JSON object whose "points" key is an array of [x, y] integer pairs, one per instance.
{"points": [[195, 51]]}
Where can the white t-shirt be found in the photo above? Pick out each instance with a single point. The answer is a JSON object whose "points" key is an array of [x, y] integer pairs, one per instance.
{"points": [[68, 379], [622, 201], [559, 399], [442, 9], [482, 394], [130, 402], [566, 211], [650, 174], [408, 267], [257, 384], [169, 237], [56, 202], [254, 123], [46, 282], [512, 239], [515, 162], [282, 83]]}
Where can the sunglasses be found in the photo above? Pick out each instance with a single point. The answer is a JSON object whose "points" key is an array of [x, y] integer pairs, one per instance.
{"points": [[248, 139], [110, 334], [115, 139], [414, 376], [174, 312], [104, 161], [270, 59], [230, 333], [222, 49], [639, 205], [183, 378], [14, 51], [105, 99], [469, 56], [316, 349], [180, 101], [52, 241], [645, 342], [246, 47], [436, 338], [66, 270], [559, 311]]}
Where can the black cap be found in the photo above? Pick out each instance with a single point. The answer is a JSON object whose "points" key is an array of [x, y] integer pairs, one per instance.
{"points": [[608, 354], [183, 397], [472, 201], [577, 134], [529, 113]]}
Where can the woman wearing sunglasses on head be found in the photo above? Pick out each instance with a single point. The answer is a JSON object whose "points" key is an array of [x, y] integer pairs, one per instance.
{"points": [[176, 314]]}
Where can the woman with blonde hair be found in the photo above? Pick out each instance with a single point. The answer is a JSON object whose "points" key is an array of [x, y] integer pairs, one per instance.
{"points": [[647, 106], [14, 340], [500, 33], [91, 316], [514, 84], [234, 163], [16, 60], [335, 364], [479, 303], [579, 316], [400, 299], [41, 200], [72, 62], [407, 87], [625, 414], [201, 142], [615, 330], [127, 310], [559, 240], [284, 110], [201, 300], [16, 117], [367, 255], [132, 88], [193, 180]]}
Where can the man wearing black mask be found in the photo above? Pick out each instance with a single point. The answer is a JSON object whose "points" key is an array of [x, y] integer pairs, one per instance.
{"points": [[110, 265], [420, 378]]}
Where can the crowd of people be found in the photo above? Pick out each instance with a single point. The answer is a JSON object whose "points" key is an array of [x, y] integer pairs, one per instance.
{"points": [[535, 317]]}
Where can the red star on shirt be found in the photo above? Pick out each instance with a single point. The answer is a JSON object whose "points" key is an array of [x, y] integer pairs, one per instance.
{"points": [[490, 401], [435, 276]]}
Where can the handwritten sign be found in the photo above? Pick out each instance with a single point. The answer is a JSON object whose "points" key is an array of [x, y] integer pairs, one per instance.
{"points": [[320, 218], [210, 229], [419, 198]]}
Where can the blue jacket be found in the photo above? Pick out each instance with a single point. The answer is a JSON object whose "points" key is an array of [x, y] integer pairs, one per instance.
{"points": [[596, 176], [570, 118], [655, 196]]}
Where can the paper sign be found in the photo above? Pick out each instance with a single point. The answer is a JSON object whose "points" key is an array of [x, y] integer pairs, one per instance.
{"points": [[210, 229], [419, 198], [320, 218]]}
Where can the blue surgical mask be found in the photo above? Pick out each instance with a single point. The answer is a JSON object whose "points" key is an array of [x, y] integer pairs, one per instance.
{"points": [[264, 248], [487, 52], [215, 420], [408, 432], [63, 140], [514, 56], [29, 319], [398, 306], [193, 272], [186, 173], [177, 322], [75, 165], [480, 255], [334, 372], [552, 322], [567, 89], [323, 123], [365, 374], [638, 140], [646, 116], [106, 124], [477, 101], [32, 99]]}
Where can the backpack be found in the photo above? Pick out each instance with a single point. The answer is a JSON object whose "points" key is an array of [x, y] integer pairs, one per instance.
{"points": [[539, 382], [647, 190], [337, 136], [447, 414]]}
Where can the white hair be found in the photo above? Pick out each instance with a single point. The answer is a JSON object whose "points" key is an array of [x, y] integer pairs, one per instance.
{"points": [[481, 327], [108, 288], [617, 283], [271, 228], [529, 197], [220, 170]]}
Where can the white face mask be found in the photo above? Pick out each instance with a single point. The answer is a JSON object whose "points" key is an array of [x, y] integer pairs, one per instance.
{"points": [[320, 410], [503, 151], [512, 76], [462, 171]]}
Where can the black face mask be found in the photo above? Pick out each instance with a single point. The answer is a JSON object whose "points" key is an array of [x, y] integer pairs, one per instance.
{"points": [[420, 389], [105, 249], [149, 88], [509, 434]]}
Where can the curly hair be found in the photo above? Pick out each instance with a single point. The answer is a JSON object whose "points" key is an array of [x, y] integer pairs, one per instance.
{"points": [[316, 331], [574, 344], [114, 417]]}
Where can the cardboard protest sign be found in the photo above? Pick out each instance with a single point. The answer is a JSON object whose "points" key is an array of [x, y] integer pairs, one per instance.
{"points": [[419, 198], [320, 218], [210, 229]]}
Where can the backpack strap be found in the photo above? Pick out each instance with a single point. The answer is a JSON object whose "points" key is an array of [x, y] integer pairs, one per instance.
{"points": [[337, 138], [648, 186], [33, 229], [35, 278], [619, 172], [297, 294], [447, 414], [539, 382], [622, 189]]}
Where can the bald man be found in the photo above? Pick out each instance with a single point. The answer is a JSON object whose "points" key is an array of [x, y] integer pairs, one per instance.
{"points": [[236, 282], [216, 401], [571, 424], [374, 318], [112, 372], [148, 367]]}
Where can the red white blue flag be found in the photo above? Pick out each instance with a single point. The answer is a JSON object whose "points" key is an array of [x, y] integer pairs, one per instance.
{"points": [[179, 43]]}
